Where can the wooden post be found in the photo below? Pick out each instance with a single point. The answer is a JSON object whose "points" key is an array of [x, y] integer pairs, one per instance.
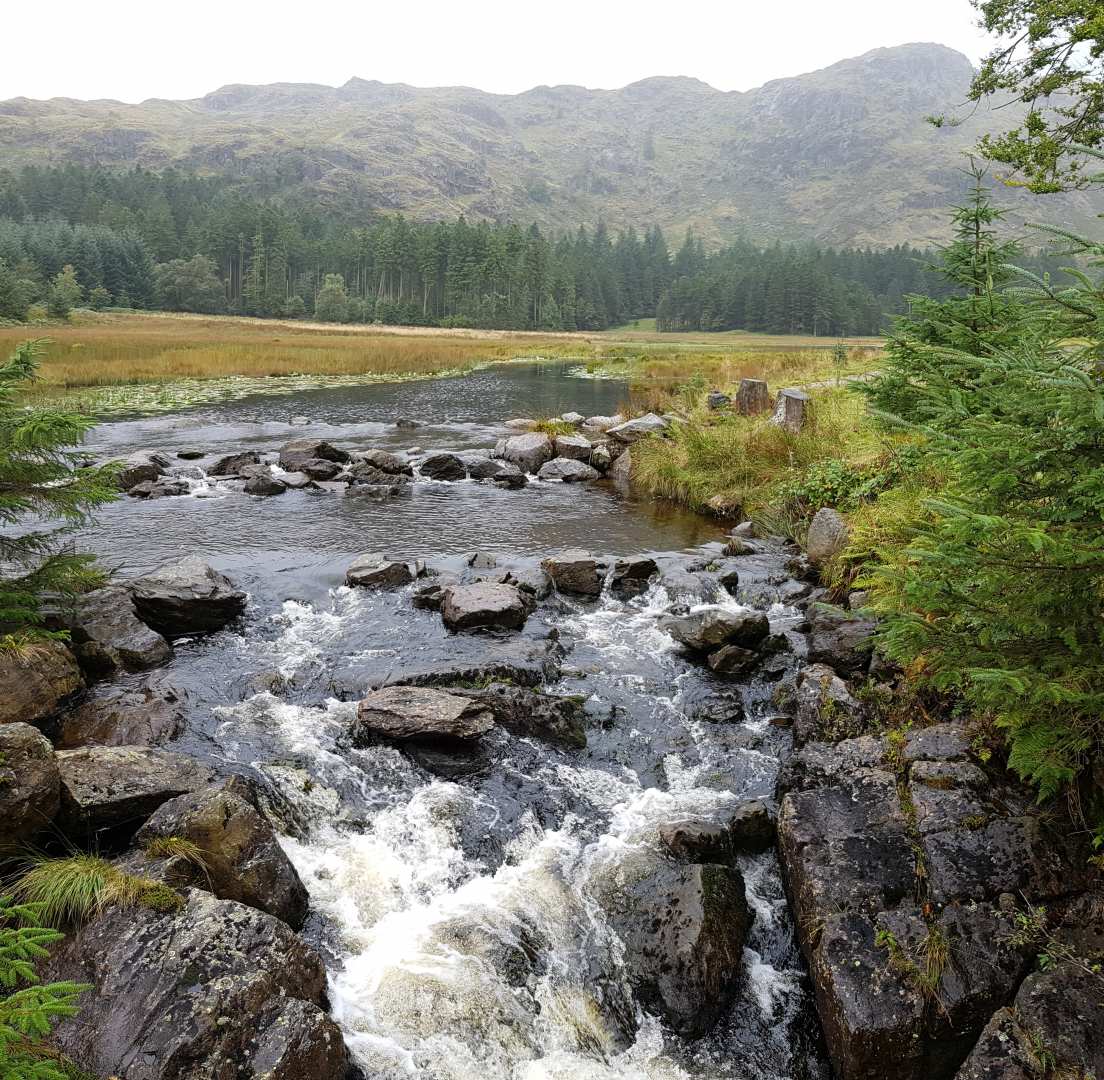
{"points": [[754, 397], [791, 410]]}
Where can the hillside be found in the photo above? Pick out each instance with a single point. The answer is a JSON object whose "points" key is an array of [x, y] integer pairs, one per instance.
{"points": [[841, 155]]}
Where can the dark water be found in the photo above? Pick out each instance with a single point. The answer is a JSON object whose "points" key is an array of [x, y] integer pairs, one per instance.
{"points": [[428, 885]]}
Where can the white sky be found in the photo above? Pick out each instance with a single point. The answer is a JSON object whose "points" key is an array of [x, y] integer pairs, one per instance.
{"points": [[135, 49]]}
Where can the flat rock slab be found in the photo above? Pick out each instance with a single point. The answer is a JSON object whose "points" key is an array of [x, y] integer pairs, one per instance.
{"points": [[116, 788], [181, 996], [107, 618], [421, 714], [30, 784], [576, 447], [186, 597], [375, 571], [37, 681], [482, 606]]}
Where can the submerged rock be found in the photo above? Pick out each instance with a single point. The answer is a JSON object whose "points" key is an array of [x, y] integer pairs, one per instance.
{"points": [[416, 713], [385, 461], [30, 785], [37, 681], [186, 597], [746, 828], [217, 989], [375, 571], [483, 605], [576, 447]]}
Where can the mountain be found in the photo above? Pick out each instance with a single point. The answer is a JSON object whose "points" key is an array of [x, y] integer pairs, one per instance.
{"points": [[843, 155]]}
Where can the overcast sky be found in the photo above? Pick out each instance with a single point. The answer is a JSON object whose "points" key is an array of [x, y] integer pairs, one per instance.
{"points": [[135, 49]]}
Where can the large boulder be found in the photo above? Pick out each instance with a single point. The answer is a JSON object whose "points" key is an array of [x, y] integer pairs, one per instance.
{"points": [[106, 619], [575, 572], [139, 467], [528, 452], [620, 469], [233, 464], [484, 605], [186, 597], [110, 791], [217, 989], [36, 681], [147, 715], [241, 857], [576, 447], [711, 628], [634, 430], [525, 712], [30, 785], [491, 469], [264, 484], [295, 454], [840, 639], [827, 536], [568, 470], [683, 928], [443, 467], [420, 714], [375, 571]]}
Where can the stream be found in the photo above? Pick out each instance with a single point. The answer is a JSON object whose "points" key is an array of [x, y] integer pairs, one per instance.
{"points": [[460, 906]]}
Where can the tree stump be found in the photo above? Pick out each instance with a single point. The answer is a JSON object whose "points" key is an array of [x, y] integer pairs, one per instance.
{"points": [[753, 398], [791, 411]]}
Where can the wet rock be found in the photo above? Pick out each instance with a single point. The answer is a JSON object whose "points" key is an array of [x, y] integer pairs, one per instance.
{"points": [[141, 467], [531, 580], [575, 447], [186, 597], [375, 571], [568, 470], [745, 829], [165, 488], [296, 480], [264, 485], [684, 928], [620, 471], [491, 469], [402, 713], [633, 430], [576, 572], [483, 605], [217, 989], [109, 791], [733, 660], [190, 455], [690, 585], [241, 856], [36, 682], [429, 597], [148, 715], [839, 639], [528, 452], [525, 712], [511, 477], [376, 492], [30, 785], [711, 628], [721, 708], [828, 534], [406, 424], [295, 454], [108, 618], [319, 468], [824, 708], [632, 576], [387, 462], [233, 464], [443, 467], [947, 795]]}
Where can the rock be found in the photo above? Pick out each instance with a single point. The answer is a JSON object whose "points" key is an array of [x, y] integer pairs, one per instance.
{"points": [[387, 462], [186, 597], [690, 586], [683, 929], [296, 480], [716, 400], [575, 418], [217, 989], [264, 485], [491, 469], [632, 576], [733, 660], [744, 531], [568, 470], [828, 534], [36, 681], [443, 467], [190, 455], [510, 477], [528, 452], [483, 605], [753, 397], [318, 468], [241, 856], [140, 467], [633, 430], [30, 785], [165, 488], [376, 492], [365, 473], [108, 791], [234, 463], [621, 469], [576, 447], [149, 715], [299, 451], [709, 629], [107, 618], [574, 571], [824, 708], [521, 423], [525, 712], [791, 410], [601, 458], [407, 424], [421, 714], [375, 571], [746, 829], [840, 639]]}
